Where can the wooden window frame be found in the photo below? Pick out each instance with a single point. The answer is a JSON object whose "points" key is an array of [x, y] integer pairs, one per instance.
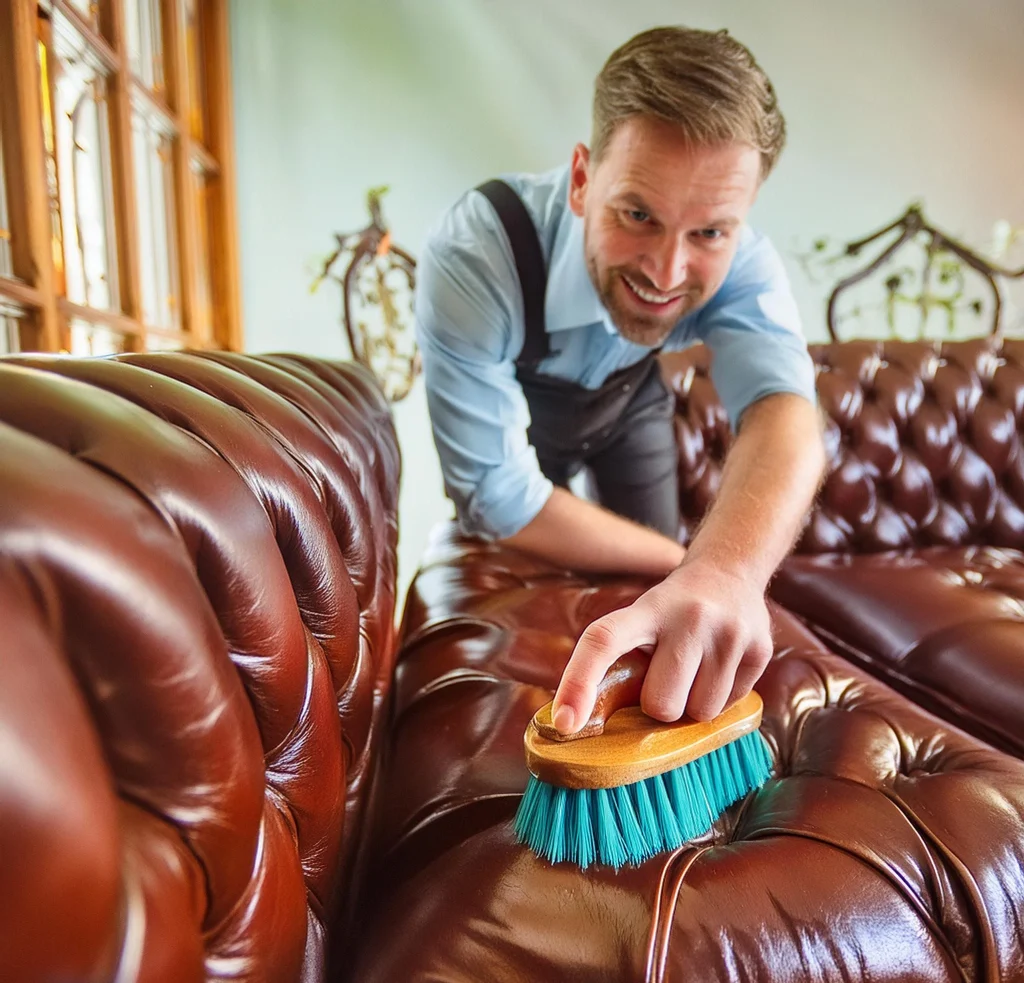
{"points": [[33, 288]]}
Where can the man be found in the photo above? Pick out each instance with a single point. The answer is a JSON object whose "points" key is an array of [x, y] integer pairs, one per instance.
{"points": [[540, 307]]}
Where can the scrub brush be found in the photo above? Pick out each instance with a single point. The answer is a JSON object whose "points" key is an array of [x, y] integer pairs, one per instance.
{"points": [[627, 787]]}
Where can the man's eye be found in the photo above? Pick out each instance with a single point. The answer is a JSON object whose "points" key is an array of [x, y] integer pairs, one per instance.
{"points": [[710, 234], [638, 215]]}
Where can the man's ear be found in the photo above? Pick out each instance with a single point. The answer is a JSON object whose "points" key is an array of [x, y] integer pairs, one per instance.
{"points": [[579, 174]]}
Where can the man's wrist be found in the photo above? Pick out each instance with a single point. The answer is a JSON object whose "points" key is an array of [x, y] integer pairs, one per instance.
{"points": [[747, 573]]}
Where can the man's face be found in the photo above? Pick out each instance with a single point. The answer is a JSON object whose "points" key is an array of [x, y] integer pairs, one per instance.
{"points": [[661, 222]]}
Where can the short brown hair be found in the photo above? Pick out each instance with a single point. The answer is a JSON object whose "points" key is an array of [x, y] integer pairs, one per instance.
{"points": [[704, 82]]}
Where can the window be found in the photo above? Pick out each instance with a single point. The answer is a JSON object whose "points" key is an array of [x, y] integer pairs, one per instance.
{"points": [[6, 269], [117, 222]]}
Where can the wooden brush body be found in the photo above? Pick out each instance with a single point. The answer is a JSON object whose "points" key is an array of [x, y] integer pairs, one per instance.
{"points": [[620, 744]]}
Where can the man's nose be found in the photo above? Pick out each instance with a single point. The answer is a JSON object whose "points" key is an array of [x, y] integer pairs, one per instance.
{"points": [[667, 263]]}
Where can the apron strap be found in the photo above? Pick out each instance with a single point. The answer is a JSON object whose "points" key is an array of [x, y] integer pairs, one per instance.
{"points": [[529, 258]]}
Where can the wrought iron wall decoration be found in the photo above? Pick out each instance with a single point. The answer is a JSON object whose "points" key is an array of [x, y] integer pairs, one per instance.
{"points": [[377, 283], [941, 283]]}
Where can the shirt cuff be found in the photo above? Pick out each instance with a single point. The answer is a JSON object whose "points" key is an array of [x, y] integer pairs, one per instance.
{"points": [[503, 502]]}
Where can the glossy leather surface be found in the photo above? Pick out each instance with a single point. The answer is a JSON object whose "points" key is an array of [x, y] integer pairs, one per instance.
{"points": [[197, 562], [923, 443], [910, 563], [944, 625], [889, 846], [199, 684]]}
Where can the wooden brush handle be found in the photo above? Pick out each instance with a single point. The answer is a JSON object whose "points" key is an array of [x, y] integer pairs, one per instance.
{"points": [[620, 688], [633, 746]]}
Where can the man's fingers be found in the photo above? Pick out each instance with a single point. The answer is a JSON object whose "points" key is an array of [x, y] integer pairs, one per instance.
{"points": [[599, 646], [699, 667], [712, 686], [666, 688], [750, 670], [736, 663]]}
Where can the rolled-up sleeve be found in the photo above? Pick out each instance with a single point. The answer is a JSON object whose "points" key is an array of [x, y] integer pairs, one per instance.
{"points": [[752, 327], [466, 299]]}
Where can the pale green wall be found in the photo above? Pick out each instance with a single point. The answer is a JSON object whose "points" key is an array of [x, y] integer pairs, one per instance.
{"points": [[886, 101]]}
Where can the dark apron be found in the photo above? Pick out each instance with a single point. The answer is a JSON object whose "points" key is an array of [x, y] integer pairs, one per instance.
{"points": [[623, 430]]}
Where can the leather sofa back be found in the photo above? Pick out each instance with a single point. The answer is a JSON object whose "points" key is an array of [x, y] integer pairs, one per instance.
{"points": [[923, 442], [197, 593]]}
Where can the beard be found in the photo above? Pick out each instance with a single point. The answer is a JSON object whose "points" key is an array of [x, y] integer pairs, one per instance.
{"points": [[649, 329]]}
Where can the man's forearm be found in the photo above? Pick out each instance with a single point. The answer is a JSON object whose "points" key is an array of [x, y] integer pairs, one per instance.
{"points": [[771, 476], [582, 536]]}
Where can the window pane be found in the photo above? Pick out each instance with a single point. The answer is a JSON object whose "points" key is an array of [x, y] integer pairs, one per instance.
{"points": [[89, 9], [154, 192], [95, 339], [145, 42], [9, 320], [78, 144], [9, 342], [6, 267], [50, 147], [196, 70], [162, 343], [203, 315]]}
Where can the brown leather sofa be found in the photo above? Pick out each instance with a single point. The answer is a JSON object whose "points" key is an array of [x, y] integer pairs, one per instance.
{"points": [[889, 846], [197, 577], [199, 684]]}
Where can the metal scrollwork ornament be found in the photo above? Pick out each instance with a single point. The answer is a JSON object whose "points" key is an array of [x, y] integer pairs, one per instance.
{"points": [[938, 285], [377, 283]]}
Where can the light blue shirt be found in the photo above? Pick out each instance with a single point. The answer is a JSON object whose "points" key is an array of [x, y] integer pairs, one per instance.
{"points": [[469, 327]]}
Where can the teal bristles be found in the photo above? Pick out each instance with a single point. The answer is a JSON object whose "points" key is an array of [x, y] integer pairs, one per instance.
{"points": [[631, 823]]}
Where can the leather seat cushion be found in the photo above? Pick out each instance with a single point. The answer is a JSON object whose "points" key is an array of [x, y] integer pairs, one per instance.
{"points": [[943, 625]]}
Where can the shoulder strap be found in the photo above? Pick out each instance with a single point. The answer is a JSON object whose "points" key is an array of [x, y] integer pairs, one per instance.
{"points": [[529, 258]]}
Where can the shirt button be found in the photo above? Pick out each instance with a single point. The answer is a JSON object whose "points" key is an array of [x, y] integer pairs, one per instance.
{"points": [[626, 387], [586, 445]]}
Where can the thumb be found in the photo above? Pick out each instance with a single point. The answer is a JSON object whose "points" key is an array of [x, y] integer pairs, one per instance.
{"points": [[599, 646]]}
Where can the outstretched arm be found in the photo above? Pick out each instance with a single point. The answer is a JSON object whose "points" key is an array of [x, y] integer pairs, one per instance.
{"points": [[580, 535], [706, 624]]}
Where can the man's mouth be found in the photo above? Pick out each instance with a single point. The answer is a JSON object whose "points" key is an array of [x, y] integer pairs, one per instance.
{"points": [[651, 297]]}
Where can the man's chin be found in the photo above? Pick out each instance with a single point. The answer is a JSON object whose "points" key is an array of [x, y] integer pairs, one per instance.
{"points": [[650, 334], [648, 338], [650, 330]]}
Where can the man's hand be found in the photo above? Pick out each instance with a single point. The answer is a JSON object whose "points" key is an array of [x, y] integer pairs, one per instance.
{"points": [[710, 637], [706, 624]]}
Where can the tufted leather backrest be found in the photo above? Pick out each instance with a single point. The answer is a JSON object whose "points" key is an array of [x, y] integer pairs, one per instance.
{"points": [[923, 441], [197, 595]]}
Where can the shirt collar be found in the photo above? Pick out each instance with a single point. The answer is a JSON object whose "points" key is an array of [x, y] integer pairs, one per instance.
{"points": [[571, 300]]}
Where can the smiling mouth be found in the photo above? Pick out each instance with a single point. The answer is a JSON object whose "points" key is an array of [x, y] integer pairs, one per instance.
{"points": [[651, 298]]}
